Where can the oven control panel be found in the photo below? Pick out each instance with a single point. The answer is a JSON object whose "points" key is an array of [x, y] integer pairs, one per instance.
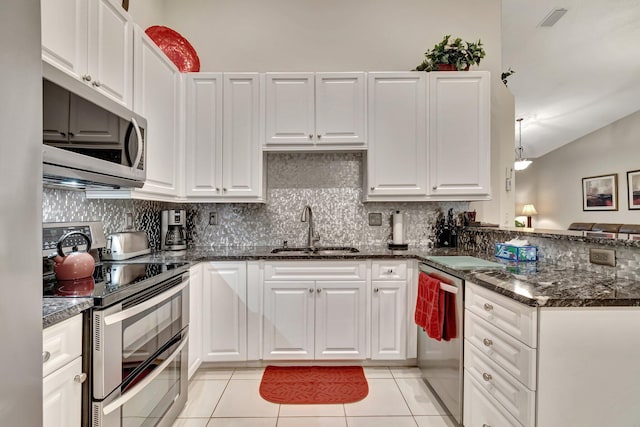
{"points": [[53, 231]]}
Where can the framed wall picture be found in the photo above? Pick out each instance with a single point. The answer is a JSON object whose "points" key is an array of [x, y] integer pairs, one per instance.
{"points": [[600, 193], [633, 189]]}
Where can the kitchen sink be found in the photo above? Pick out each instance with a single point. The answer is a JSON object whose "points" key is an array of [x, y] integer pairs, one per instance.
{"points": [[327, 250]]}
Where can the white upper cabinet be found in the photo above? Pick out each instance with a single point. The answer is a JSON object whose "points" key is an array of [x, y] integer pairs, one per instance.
{"points": [[223, 152], [459, 134], [92, 41], [241, 150], [157, 99], [315, 111], [204, 134], [397, 155]]}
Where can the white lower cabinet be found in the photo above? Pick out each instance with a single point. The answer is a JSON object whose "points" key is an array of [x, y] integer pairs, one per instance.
{"points": [[224, 328], [390, 327], [62, 374], [315, 310], [499, 360], [195, 317]]}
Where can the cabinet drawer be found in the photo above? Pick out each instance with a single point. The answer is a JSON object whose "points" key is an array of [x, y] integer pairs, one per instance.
{"points": [[508, 391], [518, 320], [515, 357], [315, 270], [480, 409], [388, 270], [61, 343]]}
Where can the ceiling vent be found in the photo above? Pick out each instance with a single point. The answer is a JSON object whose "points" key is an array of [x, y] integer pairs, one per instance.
{"points": [[553, 17]]}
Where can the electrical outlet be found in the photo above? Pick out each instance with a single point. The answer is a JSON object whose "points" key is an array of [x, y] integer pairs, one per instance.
{"points": [[128, 221], [602, 256], [213, 218], [375, 219]]}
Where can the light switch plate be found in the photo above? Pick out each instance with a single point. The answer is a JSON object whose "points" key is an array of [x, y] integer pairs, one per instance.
{"points": [[602, 256]]}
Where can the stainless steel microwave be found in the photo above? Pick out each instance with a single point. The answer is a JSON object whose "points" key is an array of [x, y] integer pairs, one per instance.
{"points": [[89, 140]]}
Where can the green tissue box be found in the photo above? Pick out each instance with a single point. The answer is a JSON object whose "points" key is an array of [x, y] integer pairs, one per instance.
{"points": [[516, 253]]}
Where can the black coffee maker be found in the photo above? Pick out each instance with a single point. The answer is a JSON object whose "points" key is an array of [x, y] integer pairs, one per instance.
{"points": [[173, 230]]}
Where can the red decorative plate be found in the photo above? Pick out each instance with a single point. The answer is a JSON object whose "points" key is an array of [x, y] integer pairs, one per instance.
{"points": [[176, 47]]}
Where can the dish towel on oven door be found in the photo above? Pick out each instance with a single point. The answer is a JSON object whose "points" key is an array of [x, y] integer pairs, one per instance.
{"points": [[435, 309]]}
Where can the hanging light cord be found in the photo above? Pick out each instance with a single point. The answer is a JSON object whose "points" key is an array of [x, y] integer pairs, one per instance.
{"points": [[519, 149]]}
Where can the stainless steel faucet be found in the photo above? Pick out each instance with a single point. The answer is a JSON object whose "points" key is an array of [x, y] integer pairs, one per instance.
{"points": [[312, 236]]}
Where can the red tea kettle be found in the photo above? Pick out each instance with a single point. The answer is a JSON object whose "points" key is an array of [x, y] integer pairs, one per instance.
{"points": [[75, 265]]}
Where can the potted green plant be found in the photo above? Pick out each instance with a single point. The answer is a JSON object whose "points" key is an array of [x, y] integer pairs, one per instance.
{"points": [[452, 55]]}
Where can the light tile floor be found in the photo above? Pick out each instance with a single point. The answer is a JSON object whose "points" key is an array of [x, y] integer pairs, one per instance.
{"points": [[229, 398]]}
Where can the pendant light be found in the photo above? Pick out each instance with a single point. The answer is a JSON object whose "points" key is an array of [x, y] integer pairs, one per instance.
{"points": [[520, 163]]}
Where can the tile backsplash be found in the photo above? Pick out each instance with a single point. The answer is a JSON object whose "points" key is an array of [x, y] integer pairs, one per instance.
{"points": [[331, 183]]}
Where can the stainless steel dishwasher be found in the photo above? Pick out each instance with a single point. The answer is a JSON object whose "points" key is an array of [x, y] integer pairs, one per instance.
{"points": [[441, 362]]}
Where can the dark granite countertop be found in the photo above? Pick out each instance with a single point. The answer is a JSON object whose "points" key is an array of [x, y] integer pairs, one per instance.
{"points": [[55, 310], [537, 284]]}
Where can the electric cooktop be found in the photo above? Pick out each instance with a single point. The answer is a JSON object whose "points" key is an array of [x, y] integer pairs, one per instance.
{"points": [[113, 282]]}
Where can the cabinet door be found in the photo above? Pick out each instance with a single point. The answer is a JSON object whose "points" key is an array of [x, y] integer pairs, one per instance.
{"points": [[460, 133], [388, 320], [340, 320], [225, 312], [288, 322], [397, 155], [156, 98], [204, 134], [111, 50], [289, 109], [64, 35], [62, 396], [195, 318], [241, 149], [340, 108]]}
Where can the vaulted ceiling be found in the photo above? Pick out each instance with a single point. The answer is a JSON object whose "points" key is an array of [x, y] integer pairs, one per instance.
{"points": [[575, 77]]}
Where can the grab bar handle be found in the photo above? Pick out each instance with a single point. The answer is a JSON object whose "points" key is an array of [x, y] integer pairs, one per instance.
{"points": [[143, 383], [448, 288], [136, 309]]}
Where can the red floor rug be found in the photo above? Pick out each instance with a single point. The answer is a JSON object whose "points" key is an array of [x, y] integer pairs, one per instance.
{"points": [[313, 384]]}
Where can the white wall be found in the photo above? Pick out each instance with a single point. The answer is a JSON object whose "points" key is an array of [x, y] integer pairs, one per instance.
{"points": [[554, 181], [146, 13], [20, 224], [330, 35]]}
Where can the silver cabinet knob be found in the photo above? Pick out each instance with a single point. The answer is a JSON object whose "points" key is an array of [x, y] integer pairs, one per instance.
{"points": [[319, 290], [310, 290], [95, 84], [487, 342], [435, 187], [86, 78], [217, 189], [486, 425], [224, 189], [376, 290], [319, 136], [373, 188], [487, 306], [487, 377], [80, 378], [310, 136], [46, 356]]}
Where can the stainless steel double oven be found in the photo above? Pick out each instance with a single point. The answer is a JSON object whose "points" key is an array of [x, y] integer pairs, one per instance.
{"points": [[139, 357]]}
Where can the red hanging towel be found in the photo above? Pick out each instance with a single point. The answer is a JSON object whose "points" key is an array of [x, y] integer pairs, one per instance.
{"points": [[429, 313], [450, 328]]}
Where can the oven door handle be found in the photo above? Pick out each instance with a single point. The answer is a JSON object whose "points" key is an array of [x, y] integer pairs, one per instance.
{"points": [[142, 384], [139, 308]]}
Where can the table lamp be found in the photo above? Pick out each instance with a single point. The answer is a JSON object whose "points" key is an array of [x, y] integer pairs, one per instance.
{"points": [[529, 211]]}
